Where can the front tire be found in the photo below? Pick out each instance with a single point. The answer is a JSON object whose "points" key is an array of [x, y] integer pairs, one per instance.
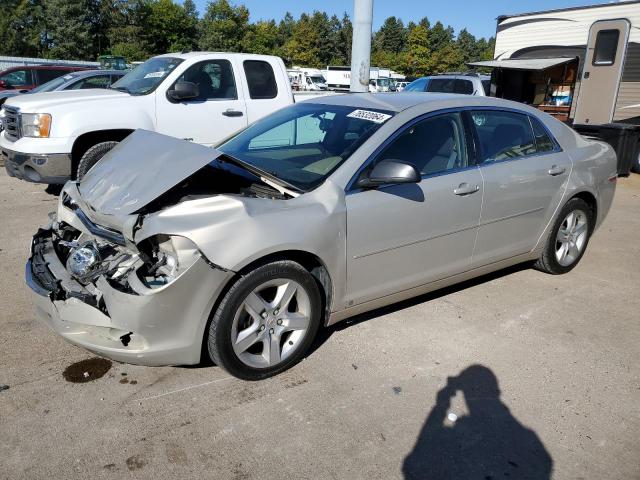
{"points": [[568, 238], [92, 156], [266, 321]]}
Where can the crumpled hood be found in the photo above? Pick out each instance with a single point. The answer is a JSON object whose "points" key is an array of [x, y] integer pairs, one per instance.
{"points": [[140, 169], [43, 102]]}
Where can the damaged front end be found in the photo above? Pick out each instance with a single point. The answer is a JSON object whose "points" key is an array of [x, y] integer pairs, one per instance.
{"points": [[145, 303]]}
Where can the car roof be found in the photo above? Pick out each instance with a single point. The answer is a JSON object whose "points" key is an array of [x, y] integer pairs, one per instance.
{"points": [[397, 102], [71, 68]]}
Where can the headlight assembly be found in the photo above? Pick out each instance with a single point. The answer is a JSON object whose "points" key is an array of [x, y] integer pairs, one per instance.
{"points": [[37, 125]]}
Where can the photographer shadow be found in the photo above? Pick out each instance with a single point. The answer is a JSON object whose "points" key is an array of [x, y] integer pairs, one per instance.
{"points": [[487, 444]]}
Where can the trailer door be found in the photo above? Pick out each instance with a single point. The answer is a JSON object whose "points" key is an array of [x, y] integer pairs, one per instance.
{"points": [[602, 70]]}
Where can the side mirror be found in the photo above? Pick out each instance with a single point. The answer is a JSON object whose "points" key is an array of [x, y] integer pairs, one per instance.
{"points": [[390, 172], [183, 91]]}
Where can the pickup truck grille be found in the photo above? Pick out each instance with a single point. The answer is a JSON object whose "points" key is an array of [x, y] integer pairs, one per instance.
{"points": [[11, 123]]}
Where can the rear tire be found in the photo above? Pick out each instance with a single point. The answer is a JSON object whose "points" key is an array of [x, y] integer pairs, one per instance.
{"points": [[568, 238], [92, 156], [266, 322]]}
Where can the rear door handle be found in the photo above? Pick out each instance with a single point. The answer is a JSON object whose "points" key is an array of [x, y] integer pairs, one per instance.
{"points": [[556, 170], [232, 113], [466, 189]]}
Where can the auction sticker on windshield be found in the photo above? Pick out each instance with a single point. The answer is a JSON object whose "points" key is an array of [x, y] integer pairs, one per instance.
{"points": [[376, 117]]}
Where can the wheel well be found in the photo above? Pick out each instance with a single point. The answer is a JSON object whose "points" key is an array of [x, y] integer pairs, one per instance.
{"points": [[590, 199], [309, 261], [87, 140]]}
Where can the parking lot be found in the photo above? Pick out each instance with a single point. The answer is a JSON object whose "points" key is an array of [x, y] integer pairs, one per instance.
{"points": [[364, 404]]}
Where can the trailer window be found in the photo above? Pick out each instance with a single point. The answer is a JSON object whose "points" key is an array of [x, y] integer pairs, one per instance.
{"points": [[606, 47], [261, 79]]}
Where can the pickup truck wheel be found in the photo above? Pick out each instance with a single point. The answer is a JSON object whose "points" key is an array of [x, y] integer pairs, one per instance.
{"points": [[266, 321], [91, 157]]}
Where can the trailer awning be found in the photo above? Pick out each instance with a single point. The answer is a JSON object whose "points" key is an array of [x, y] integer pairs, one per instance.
{"points": [[523, 64]]}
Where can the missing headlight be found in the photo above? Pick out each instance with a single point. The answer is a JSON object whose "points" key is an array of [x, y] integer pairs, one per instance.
{"points": [[165, 258]]}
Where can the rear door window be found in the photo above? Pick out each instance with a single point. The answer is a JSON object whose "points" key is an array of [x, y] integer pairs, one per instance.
{"points": [[442, 85], [261, 79], [99, 81], [46, 75], [464, 87], [503, 135]]}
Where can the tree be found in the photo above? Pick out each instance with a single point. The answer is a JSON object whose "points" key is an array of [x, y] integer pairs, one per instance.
{"points": [[468, 46], [169, 28], [302, 47], [261, 38], [223, 26], [391, 37], [68, 34], [418, 51]]}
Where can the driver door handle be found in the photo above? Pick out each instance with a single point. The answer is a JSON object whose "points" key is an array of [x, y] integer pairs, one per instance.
{"points": [[232, 113], [466, 189], [556, 170]]}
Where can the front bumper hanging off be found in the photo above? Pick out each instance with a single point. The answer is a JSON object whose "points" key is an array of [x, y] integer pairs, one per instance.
{"points": [[161, 326]]}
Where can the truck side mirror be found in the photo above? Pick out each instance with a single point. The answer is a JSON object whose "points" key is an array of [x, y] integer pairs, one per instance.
{"points": [[183, 91]]}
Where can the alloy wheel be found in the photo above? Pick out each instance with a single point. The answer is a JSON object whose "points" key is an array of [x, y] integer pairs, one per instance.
{"points": [[572, 237], [270, 323]]}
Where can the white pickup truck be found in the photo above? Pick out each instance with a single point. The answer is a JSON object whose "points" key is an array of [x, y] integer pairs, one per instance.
{"points": [[198, 96]]}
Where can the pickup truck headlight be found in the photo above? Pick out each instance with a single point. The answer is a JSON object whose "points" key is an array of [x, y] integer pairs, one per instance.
{"points": [[36, 125]]}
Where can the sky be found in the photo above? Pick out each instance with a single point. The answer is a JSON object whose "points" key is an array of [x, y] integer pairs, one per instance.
{"points": [[478, 16]]}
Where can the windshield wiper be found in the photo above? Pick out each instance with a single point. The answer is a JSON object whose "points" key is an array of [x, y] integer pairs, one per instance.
{"points": [[259, 172]]}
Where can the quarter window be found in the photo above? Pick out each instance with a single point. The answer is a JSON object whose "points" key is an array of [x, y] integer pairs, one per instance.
{"points": [[503, 135], [543, 140], [606, 47], [214, 80], [261, 79], [433, 145]]}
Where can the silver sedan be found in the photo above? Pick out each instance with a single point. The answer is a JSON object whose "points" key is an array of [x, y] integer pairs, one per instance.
{"points": [[323, 210]]}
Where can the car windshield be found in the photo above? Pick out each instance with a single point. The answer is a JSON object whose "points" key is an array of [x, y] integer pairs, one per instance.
{"points": [[416, 86], [52, 85], [304, 143], [317, 79], [383, 82], [146, 77]]}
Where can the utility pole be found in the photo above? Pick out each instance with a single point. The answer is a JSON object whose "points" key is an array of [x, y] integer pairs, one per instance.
{"points": [[361, 45]]}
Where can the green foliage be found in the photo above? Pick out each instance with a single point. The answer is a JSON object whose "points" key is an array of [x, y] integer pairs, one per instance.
{"points": [[223, 27], [138, 29]]}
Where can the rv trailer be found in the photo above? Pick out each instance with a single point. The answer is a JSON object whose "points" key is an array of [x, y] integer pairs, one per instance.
{"points": [[580, 64]]}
